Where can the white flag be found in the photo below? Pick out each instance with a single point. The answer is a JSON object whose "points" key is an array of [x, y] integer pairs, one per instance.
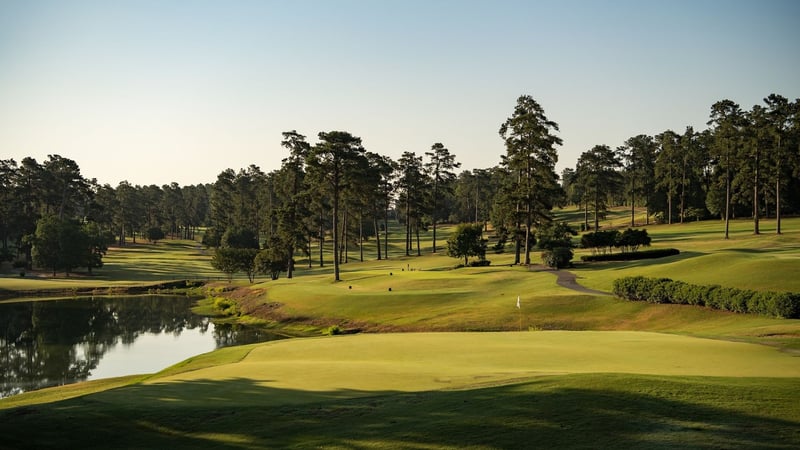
{"points": [[518, 302]]}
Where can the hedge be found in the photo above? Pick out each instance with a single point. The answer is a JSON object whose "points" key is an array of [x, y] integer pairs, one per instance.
{"points": [[664, 290], [630, 256]]}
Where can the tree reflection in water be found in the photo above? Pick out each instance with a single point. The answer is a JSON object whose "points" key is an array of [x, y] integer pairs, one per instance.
{"points": [[50, 343]]}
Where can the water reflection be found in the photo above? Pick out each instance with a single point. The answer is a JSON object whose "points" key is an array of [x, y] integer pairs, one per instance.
{"points": [[49, 343]]}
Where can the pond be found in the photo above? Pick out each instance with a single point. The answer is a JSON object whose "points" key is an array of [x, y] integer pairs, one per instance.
{"points": [[52, 343]]}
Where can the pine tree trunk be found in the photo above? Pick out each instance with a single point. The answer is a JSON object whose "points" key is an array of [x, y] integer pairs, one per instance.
{"points": [[633, 208], [727, 200], [778, 203], [528, 236], [476, 204], [377, 234], [336, 235], [755, 198], [669, 208], [433, 217], [408, 226], [386, 233], [343, 239], [596, 214], [416, 229], [309, 250], [290, 262], [586, 214], [321, 249], [361, 237]]}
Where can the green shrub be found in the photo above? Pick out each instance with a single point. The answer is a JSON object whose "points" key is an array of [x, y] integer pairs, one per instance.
{"points": [[332, 330], [225, 306], [558, 257], [663, 290], [480, 263]]}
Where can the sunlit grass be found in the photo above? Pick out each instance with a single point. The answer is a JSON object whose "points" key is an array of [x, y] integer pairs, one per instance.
{"points": [[442, 390], [761, 262], [561, 389]]}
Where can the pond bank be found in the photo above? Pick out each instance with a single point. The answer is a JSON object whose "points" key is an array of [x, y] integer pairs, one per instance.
{"points": [[156, 288]]}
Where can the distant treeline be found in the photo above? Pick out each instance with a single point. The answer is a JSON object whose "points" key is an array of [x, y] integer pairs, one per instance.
{"points": [[746, 164]]}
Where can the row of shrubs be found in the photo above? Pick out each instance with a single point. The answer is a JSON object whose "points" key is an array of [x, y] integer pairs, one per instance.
{"points": [[646, 254], [664, 290]]}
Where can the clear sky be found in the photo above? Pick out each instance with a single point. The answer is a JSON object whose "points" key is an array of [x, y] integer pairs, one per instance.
{"points": [[159, 91]]}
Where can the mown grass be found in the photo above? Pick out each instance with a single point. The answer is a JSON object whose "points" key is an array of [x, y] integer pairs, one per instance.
{"points": [[548, 389], [443, 390], [760, 262], [136, 264]]}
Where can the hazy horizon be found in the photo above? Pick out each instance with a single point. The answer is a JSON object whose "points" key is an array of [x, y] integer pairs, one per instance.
{"points": [[154, 92]]}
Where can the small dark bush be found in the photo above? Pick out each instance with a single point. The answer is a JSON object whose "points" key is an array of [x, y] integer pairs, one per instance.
{"points": [[558, 257], [332, 330], [480, 263]]}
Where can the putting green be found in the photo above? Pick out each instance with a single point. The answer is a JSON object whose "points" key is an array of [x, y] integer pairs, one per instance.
{"points": [[367, 363]]}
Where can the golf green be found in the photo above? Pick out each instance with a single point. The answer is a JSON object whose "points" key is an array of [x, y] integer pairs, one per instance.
{"points": [[369, 363]]}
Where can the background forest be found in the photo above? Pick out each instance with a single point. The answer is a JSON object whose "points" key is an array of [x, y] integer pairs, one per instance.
{"points": [[745, 164]]}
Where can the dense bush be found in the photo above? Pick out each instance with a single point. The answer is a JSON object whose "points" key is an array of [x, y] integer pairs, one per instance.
{"points": [[664, 290], [558, 257], [630, 240], [600, 241], [603, 241], [225, 306], [155, 234], [631, 256], [332, 330], [480, 263]]}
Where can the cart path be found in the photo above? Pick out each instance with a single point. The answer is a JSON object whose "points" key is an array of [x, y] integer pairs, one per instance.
{"points": [[567, 280]]}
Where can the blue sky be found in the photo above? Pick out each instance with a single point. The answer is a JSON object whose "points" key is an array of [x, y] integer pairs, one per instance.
{"points": [[160, 91]]}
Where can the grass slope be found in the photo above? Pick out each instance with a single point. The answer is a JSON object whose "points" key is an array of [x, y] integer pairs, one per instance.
{"points": [[761, 262], [136, 264], [562, 389], [442, 390]]}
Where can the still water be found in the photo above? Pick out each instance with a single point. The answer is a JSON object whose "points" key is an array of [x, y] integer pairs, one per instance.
{"points": [[51, 343]]}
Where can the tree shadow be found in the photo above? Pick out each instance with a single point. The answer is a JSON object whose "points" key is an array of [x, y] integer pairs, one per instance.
{"points": [[557, 412], [621, 265]]}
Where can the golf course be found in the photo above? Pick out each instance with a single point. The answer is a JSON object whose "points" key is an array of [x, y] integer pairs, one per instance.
{"points": [[411, 352]]}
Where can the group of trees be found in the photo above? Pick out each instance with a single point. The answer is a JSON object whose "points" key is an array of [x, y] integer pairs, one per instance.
{"points": [[334, 191], [335, 194], [746, 164], [53, 217]]}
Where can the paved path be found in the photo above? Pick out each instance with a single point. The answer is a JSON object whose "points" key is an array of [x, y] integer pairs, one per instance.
{"points": [[567, 280]]}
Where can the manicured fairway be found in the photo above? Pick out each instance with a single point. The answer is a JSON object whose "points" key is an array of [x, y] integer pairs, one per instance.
{"points": [[555, 389]]}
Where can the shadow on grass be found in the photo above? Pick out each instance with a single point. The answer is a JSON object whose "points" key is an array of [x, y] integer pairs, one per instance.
{"points": [[578, 411], [666, 235], [620, 265]]}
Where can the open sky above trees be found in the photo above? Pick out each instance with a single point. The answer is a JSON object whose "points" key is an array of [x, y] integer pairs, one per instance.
{"points": [[155, 92]]}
